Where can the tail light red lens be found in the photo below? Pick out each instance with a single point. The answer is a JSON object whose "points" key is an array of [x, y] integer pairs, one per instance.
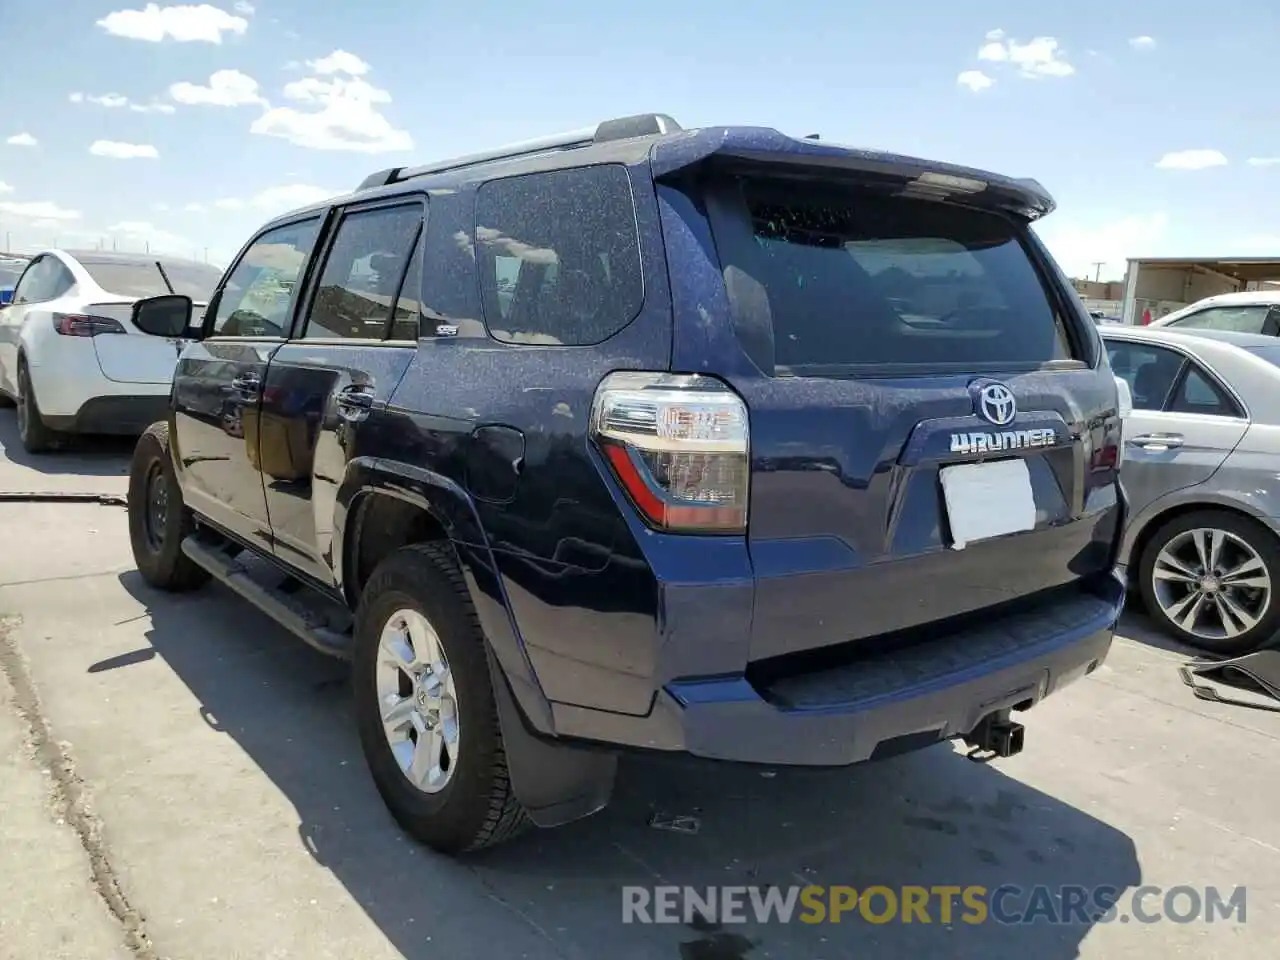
{"points": [[83, 325], [679, 446]]}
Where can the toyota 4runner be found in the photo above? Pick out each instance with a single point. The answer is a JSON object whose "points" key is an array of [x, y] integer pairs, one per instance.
{"points": [[711, 441]]}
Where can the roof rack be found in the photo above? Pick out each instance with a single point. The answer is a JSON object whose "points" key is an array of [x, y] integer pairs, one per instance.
{"points": [[621, 128]]}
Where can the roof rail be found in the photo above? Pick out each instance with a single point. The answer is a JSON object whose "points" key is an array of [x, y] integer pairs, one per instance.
{"points": [[621, 128]]}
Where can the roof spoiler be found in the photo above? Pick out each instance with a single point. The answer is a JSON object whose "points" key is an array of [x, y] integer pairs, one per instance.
{"points": [[621, 128], [1023, 197]]}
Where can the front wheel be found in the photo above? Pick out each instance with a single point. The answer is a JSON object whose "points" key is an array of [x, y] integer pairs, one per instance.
{"points": [[1208, 578], [158, 519], [425, 707]]}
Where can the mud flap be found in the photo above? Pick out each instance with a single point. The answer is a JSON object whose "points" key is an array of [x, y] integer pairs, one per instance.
{"points": [[556, 783]]}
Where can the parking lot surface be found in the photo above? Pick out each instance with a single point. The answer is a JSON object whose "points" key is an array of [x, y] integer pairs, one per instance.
{"points": [[179, 778]]}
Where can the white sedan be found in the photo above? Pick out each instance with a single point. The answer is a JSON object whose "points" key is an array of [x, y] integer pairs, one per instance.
{"points": [[70, 358]]}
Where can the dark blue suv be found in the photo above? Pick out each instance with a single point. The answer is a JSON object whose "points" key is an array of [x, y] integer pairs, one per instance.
{"points": [[713, 441]]}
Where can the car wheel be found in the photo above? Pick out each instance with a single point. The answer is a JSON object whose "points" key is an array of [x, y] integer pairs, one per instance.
{"points": [[425, 707], [1209, 579], [36, 437], [158, 519]]}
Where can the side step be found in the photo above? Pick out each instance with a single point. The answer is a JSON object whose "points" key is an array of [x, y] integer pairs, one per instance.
{"points": [[286, 608]]}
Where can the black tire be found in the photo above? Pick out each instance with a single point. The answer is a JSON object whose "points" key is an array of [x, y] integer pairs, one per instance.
{"points": [[6, 400], [476, 807], [36, 437], [158, 552], [1263, 543]]}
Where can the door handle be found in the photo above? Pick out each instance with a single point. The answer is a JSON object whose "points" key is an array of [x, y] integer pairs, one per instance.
{"points": [[246, 384], [1158, 441], [354, 403]]}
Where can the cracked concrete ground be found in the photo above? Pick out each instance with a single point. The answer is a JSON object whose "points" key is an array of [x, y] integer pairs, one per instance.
{"points": [[216, 805]]}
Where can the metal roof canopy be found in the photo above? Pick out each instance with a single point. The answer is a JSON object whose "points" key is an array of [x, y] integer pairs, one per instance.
{"points": [[1244, 269]]}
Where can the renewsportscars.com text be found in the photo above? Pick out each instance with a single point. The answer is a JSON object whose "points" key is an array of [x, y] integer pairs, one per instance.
{"points": [[941, 904]]}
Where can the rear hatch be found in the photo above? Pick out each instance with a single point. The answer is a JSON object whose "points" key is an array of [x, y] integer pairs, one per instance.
{"points": [[136, 357], [933, 434]]}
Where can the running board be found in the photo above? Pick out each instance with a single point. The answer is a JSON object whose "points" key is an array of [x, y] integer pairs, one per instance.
{"points": [[287, 609]]}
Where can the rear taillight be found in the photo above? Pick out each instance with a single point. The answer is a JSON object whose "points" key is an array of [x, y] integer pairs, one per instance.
{"points": [[83, 325], [678, 445]]}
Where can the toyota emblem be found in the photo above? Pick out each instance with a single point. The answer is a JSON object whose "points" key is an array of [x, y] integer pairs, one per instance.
{"points": [[996, 404]]}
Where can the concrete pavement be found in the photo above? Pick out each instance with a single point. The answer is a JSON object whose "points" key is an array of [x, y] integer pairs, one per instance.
{"points": [[227, 812]]}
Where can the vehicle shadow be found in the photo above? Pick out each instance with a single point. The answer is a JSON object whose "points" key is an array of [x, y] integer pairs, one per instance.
{"points": [[86, 456], [929, 818]]}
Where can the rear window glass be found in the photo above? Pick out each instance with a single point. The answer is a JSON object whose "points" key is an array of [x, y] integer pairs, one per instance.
{"points": [[856, 279], [559, 256], [145, 279]]}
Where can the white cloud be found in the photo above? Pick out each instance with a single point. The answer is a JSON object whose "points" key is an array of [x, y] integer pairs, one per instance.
{"points": [[22, 140], [975, 80], [273, 200], [1038, 57], [243, 6], [185, 24], [1192, 160], [195, 208], [114, 101], [1264, 161], [140, 233], [1079, 245], [227, 88], [5, 188], [289, 197], [340, 62], [347, 118], [38, 210], [1142, 43], [123, 151]]}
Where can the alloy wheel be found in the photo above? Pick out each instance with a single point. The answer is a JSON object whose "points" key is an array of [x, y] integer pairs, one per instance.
{"points": [[1211, 583], [418, 701]]}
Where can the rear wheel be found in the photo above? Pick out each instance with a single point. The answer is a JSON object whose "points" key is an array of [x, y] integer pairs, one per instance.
{"points": [[1209, 579], [158, 519], [425, 707], [35, 436]]}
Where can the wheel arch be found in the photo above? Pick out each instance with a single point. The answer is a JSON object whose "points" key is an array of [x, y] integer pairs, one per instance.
{"points": [[383, 506], [1140, 534]]}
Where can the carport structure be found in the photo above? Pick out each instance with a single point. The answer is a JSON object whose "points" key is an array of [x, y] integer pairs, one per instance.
{"points": [[1157, 286]]}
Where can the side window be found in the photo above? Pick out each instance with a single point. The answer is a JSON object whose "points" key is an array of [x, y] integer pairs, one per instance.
{"points": [[257, 297], [1149, 371], [35, 283], [559, 256], [1244, 319], [1197, 393], [61, 280], [362, 273]]}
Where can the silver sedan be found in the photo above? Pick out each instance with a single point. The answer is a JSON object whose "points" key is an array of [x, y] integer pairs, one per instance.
{"points": [[1201, 473]]}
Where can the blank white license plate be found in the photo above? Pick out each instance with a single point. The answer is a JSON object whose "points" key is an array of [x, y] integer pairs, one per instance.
{"points": [[986, 500]]}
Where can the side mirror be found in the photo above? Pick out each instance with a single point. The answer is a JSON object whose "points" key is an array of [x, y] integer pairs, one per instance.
{"points": [[164, 316]]}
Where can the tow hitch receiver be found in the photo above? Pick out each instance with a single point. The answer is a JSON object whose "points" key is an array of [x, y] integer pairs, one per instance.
{"points": [[995, 736]]}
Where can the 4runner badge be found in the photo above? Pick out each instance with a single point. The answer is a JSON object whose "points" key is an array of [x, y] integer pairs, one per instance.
{"points": [[1003, 440]]}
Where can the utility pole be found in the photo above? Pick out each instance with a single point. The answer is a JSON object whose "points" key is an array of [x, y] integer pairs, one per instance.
{"points": [[1097, 269]]}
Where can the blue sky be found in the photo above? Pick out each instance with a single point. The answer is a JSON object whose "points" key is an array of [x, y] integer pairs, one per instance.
{"points": [[184, 126]]}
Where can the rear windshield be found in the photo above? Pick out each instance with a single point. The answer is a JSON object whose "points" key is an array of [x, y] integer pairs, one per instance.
{"points": [[853, 280], [145, 279]]}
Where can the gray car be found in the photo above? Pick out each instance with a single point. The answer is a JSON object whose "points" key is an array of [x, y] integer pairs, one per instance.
{"points": [[1201, 472]]}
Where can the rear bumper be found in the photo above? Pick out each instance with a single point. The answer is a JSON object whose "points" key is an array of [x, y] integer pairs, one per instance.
{"points": [[119, 415], [890, 704]]}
